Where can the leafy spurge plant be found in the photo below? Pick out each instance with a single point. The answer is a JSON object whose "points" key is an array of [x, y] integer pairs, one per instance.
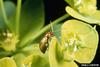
{"points": [[22, 24]]}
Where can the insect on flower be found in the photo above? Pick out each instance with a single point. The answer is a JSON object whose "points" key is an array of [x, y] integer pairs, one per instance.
{"points": [[44, 42]]}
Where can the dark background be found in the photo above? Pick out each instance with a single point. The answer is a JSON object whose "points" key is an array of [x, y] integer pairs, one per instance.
{"points": [[55, 9]]}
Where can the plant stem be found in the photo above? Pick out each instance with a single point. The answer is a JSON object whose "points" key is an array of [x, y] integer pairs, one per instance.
{"points": [[43, 30], [49, 25], [18, 11]]}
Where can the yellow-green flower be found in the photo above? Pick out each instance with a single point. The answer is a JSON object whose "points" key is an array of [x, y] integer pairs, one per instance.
{"points": [[79, 43]]}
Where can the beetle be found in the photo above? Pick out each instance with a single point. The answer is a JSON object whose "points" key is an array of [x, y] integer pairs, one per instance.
{"points": [[44, 41]]}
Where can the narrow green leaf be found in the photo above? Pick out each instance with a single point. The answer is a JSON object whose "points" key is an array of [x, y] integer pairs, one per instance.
{"points": [[9, 8], [18, 11], [3, 11], [32, 19]]}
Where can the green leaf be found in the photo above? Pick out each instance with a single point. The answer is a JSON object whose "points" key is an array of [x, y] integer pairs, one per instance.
{"points": [[7, 62], [4, 53], [9, 9], [80, 40], [93, 18], [56, 58], [32, 19]]}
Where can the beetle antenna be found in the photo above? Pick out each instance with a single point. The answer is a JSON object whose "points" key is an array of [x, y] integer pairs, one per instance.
{"points": [[51, 26]]}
